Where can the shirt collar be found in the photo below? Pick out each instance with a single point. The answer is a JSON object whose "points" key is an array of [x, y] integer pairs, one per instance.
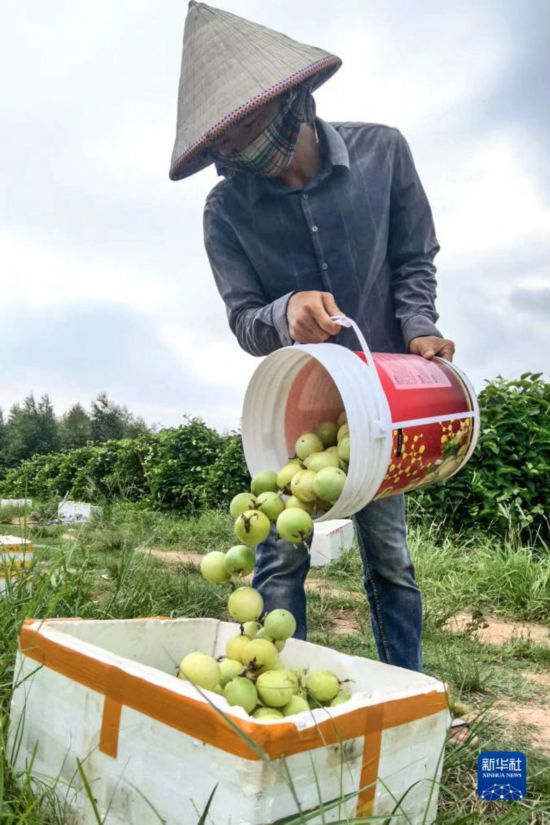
{"points": [[338, 151], [338, 155]]}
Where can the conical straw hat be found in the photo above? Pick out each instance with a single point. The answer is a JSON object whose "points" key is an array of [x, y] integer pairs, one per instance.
{"points": [[231, 66]]}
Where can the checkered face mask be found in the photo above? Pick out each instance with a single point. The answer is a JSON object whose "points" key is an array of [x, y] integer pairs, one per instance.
{"points": [[273, 149]]}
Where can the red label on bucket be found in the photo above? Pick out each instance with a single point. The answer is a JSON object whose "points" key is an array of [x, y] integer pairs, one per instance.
{"points": [[444, 396], [412, 373]]}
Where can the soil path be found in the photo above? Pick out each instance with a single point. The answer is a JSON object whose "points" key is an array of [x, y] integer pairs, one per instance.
{"points": [[493, 631], [345, 623], [173, 556], [531, 719], [323, 587]]}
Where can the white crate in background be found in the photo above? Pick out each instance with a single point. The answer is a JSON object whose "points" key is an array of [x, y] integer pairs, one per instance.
{"points": [[153, 748], [16, 502], [70, 512], [15, 552], [329, 539]]}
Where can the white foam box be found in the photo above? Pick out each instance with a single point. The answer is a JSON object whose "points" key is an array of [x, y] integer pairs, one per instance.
{"points": [[329, 539], [70, 512], [16, 502], [15, 546], [106, 695], [15, 553]]}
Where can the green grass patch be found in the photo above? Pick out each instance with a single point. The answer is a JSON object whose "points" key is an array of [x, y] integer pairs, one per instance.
{"points": [[104, 571], [457, 573]]}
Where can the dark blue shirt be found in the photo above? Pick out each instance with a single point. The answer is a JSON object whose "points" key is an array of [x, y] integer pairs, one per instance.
{"points": [[361, 229]]}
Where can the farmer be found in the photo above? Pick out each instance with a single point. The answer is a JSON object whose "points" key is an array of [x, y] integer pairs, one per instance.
{"points": [[311, 219]]}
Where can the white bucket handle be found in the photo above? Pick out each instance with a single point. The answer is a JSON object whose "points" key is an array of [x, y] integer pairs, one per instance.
{"points": [[344, 321]]}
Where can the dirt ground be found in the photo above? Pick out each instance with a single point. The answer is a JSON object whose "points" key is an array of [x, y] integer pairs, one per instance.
{"points": [[531, 719], [173, 556], [492, 631]]}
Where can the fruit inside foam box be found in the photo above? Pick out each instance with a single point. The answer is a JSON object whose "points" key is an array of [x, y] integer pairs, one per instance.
{"points": [[154, 747]]}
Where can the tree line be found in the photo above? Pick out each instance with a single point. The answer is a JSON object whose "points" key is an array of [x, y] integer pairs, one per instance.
{"points": [[32, 428]]}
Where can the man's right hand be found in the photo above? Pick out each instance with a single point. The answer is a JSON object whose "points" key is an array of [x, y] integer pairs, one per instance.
{"points": [[308, 315]]}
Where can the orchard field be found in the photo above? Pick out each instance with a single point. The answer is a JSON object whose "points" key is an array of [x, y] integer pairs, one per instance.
{"points": [[486, 599], [479, 544]]}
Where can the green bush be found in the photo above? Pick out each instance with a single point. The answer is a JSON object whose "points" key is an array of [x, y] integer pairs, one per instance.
{"points": [[169, 468], [91, 473], [505, 485], [176, 463], [228, 475]]}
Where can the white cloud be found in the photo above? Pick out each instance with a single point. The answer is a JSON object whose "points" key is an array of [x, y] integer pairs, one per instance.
{"points": [[489, 203], [211, 360], [42, 275], [411, 71]]}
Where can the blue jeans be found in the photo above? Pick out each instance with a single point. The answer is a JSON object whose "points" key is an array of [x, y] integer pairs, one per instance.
{"points": [[394, 598]]}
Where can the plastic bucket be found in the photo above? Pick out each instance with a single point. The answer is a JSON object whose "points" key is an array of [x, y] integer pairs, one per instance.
{"points": [[412, 421]]}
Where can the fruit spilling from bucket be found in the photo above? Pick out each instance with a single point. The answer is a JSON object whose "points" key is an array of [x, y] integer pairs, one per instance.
{"points": [[252, 675], [304, 488]]}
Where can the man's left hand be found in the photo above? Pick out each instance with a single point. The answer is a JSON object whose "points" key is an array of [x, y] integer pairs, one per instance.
{"points": [[429, 345]]}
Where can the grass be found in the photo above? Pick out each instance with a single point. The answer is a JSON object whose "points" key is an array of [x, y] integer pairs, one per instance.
{"points": [[10, 511], [459, 572], [103, 570]]}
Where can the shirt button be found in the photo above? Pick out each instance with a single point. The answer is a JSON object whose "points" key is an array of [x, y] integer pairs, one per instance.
{"points": [[324, 266], [314, 228]]}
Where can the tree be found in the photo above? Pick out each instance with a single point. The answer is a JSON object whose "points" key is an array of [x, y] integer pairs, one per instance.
{"points": [[31, 429], [47, 427], [137, 427], [75, 428], [110, 420], [3, 436]]}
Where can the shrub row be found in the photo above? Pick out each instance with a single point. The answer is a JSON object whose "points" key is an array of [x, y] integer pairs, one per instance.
{"points": [[185, 468], [505, 485]]}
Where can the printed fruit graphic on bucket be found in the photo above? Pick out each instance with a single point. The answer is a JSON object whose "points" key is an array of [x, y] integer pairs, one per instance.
{"points": [[395, 422]]}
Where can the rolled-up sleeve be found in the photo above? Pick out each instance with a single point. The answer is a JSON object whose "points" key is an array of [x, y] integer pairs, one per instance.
{"points": [[412, 248], [259, 325]]}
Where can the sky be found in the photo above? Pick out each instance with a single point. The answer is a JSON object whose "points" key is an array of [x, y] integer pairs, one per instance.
{"points": [[105, 284]]}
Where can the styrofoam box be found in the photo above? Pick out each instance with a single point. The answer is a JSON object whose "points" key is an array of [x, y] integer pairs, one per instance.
{"points": [[15, 502], [15, 552], [329, 539], [76, 511], [106, 694], [14, 544]]}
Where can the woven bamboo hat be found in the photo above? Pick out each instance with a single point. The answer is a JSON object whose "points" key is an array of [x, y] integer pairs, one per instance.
{"points": [[230, 67]]}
